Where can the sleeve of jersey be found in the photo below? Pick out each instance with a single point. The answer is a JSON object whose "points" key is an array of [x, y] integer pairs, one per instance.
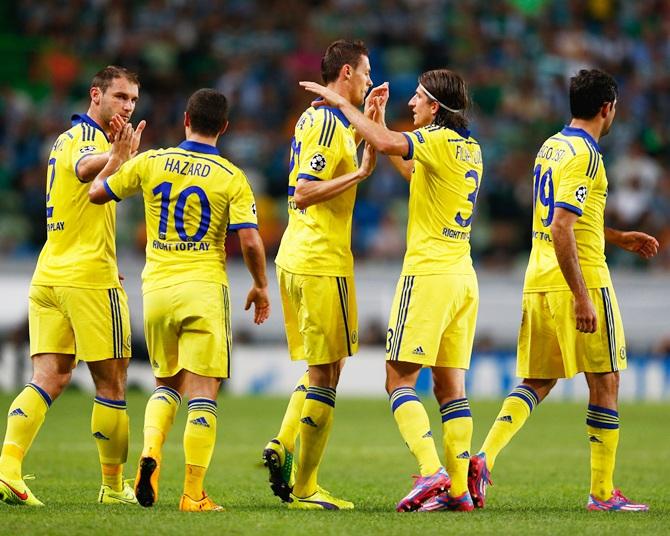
{"points": [[88, 142], [421, 143], [242, 210], [127, 180], [575, 184], [319, 149]]}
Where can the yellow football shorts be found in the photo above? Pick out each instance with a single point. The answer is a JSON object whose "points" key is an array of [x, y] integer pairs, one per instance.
{"points": [[433, 319], [551, 347], [90, 324], [187, 327], [320, 316]]}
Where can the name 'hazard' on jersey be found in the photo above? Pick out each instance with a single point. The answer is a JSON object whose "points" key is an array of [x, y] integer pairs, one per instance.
{"points": [[192, 196], [317, 240], [569, 173], [80, 250], [445, 181]]}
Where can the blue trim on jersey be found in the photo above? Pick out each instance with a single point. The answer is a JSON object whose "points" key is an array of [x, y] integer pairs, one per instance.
{"points": [[291, 190], [308, 177], [410, 154], [50, 212], [464, 132], [85, 118], [568, 206], [236, 226], [337, 113], [76, 166], [573, 131], [198, 147], [109, 191]]}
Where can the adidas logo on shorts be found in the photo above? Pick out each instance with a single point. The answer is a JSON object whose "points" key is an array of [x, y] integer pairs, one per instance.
{"points": [[18, 412], [418, 351], [505, 418]]}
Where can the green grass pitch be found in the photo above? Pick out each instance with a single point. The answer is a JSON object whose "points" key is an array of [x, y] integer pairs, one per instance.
{"points": [[541, 479]]}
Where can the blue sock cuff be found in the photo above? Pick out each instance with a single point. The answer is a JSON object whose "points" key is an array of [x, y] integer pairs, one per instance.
{"points": [[455, 409], [402, 395], [202, 404], [114, 404], [325, 395], [600, 417], [527, 394], [167, 392], [45, 396]]}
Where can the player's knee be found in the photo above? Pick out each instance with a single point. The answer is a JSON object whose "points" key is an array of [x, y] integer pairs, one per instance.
{"points": [[54, 383]]}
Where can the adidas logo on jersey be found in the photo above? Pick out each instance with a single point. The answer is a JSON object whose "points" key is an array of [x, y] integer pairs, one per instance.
{"points": [[18, 412], [418, 351], [427, 434], [594, 439], [505, 418], [200, 421], [309, 422], [465, 455], [100, 435]]}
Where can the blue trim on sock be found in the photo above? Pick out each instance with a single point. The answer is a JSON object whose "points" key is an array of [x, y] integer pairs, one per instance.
{"points": [[202, 401], [401, 395], [170, 392], [600, 409], [527, 394], [325, 395], [115, 404], [45, 396], [455, 409], [600, 417]]}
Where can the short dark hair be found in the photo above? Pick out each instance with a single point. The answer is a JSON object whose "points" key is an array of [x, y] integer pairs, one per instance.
{"points": [[104, 78], [589, 91], [208, 111], [448, 88], [338, 54]]}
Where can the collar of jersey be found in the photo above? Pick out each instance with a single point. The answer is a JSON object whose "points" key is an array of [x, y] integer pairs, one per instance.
{"points": [[573, 131], [337, 113], [85, 118], [197, 147]]}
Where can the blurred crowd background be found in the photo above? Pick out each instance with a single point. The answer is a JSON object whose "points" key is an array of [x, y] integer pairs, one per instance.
{"points": [[517, 56]]}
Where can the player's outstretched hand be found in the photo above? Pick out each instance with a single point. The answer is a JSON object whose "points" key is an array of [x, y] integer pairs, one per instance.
{"points": [[376, 100], [335, 99], [369, 160], [646, 246], [137, 137], [261, 300], [585, 314], [121, 146]]}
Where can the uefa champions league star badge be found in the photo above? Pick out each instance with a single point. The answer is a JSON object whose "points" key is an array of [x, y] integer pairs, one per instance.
{"points": [[580, 194], [318, 162]]}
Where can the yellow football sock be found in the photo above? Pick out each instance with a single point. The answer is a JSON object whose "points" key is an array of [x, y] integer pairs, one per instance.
{"points": [[199, 441], [25, 417], [514, 412], [603, 429], [315, 425], [288, 432], [414, 427], [109, 426], [457, 436], [158, 420]]}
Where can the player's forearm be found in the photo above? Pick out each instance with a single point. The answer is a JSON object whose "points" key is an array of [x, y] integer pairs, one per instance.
{"points": [[613, 236], [382, 139], [90, 166], [404, 167], [565, 247], [253, 253], [97, 193], [308, 193]]}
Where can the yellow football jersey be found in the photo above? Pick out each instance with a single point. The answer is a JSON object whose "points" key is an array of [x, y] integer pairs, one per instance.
{"points": [[192, 196], [80, 250], [445, 181], [317, 240], [568, 173]]}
